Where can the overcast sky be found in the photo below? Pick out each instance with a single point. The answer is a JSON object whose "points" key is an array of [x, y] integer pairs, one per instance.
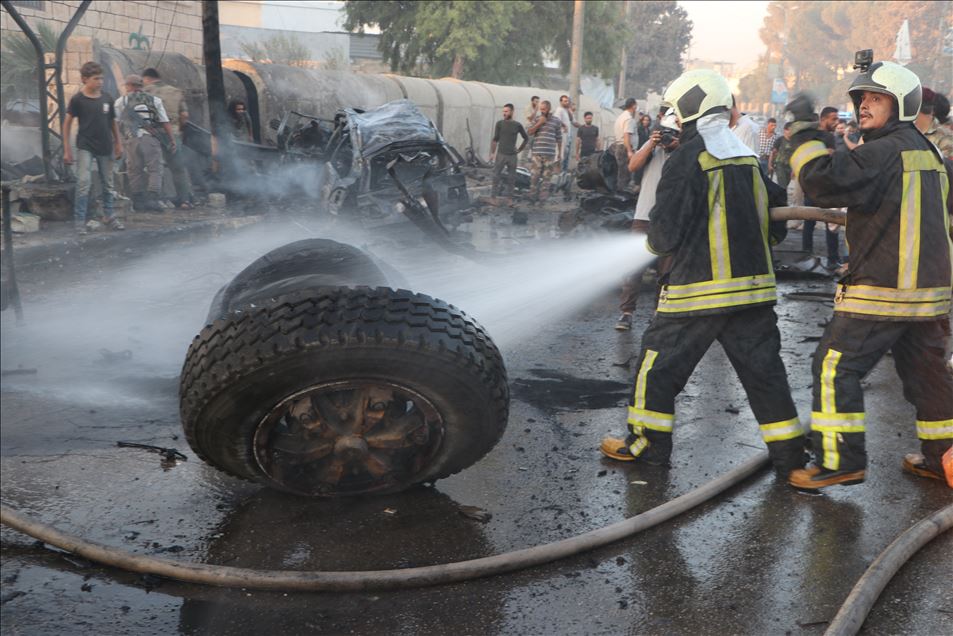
{"points": [[726, 31]]}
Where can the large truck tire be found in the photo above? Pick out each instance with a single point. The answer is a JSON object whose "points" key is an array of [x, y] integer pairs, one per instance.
{"points": [[344, 391]]}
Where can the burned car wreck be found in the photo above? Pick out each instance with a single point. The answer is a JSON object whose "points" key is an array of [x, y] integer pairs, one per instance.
{"points": [[359, 156], [369, 150]]}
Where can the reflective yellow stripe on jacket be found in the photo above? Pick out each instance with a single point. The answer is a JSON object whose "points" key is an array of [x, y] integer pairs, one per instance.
{"points": [[712, 294], [806, 153], [724, 290], [907, 300]]}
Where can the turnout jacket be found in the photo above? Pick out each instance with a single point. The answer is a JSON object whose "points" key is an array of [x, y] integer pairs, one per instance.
{"points": [[895, 188], [711, 218]]}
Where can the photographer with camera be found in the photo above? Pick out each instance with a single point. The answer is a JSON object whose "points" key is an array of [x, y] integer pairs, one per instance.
{"points": [[651, 156], [896, 296]]}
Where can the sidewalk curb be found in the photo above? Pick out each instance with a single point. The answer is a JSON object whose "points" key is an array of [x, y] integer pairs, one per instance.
{"points": [[75, 249]]}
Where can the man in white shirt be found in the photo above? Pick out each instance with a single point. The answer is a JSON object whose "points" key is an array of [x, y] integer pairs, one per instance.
{"points": [[565, 114], [744, 127], [618, 148], [649, 158]]}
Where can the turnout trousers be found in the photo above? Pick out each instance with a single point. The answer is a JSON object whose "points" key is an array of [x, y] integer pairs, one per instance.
{"points": [[848, 350], [672, 348]]}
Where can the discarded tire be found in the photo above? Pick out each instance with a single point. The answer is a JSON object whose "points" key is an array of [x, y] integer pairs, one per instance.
{"points": [[343, 391], [296, 266]]}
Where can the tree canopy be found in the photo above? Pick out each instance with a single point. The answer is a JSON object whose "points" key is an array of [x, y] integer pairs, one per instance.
{"points": [[502, 42], [659, 33], [816, 41]]}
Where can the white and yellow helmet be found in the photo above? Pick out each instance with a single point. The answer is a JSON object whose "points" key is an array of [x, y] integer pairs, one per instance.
{"points": [[890, 79], [695, 93]]}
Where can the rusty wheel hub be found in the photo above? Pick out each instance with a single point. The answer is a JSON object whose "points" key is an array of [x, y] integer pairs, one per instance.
{"points": [[347, 438]]}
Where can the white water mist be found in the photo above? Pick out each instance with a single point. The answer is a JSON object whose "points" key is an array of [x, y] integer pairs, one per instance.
{"points": [[510, 297], [152, 307]]}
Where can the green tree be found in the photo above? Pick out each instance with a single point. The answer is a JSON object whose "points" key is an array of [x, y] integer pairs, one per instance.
{"points": [[814, 43], [660, 32], [489, 41], [18, 71]]}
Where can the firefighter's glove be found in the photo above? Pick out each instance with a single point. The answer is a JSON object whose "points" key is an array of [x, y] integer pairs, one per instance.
{"points": [[802, 108]]}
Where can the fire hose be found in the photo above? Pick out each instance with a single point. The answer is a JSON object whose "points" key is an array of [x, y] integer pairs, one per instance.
{"points": [[861, 599], [284, 580], [848, 620]]}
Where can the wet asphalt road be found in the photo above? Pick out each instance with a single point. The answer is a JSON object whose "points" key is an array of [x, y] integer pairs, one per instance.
{"points": [[760, 559]]}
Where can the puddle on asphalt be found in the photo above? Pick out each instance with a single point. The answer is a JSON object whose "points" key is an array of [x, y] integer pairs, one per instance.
{"points": [[558, 390]]}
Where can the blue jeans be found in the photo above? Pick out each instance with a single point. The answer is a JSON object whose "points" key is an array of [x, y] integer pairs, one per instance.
{"points": [[84, 168]]}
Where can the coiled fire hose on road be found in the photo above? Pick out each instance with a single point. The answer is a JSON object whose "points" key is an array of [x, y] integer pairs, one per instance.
{"points": [[284, 580]]}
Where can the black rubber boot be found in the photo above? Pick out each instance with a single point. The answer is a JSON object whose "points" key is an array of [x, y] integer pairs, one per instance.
{"points": [[788, 455]]}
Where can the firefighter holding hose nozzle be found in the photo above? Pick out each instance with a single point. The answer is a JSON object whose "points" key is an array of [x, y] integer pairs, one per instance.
{"points": [[710, 220], [896, 296]]}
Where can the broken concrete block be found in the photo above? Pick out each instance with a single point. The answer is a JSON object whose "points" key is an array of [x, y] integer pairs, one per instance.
{"points": [[216, 200], [24, 223], [49, 201]]}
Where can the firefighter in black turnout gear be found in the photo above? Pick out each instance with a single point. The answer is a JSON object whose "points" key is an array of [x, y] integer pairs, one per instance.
{"points": [[710, 224], [896, 296]]}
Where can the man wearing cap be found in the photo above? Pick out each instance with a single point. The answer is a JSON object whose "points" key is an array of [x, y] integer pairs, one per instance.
{"points": [[174, 102], [146, 129]]}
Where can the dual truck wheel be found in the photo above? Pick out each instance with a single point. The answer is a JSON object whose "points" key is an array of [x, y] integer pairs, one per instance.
{"points": [[313, 376]]}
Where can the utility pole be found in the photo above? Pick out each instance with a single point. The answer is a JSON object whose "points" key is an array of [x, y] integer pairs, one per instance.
{"points": [[575, 64], [215, 84], [212, 58], [625, 19]]}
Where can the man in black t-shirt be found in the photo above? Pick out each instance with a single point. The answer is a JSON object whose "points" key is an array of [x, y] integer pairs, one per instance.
{"points": [[588, 138], [97, 140], [503, 150]]}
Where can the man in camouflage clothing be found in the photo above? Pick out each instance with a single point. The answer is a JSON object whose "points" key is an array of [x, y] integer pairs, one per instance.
{"points": [[547, 136], [178, 113]]}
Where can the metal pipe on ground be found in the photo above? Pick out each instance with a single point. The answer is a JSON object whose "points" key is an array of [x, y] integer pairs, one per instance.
{"points": [[284, 580], [862, 597]]}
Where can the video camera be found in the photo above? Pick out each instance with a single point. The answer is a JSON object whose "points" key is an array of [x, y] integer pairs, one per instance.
{"points": [[863, 59]]}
